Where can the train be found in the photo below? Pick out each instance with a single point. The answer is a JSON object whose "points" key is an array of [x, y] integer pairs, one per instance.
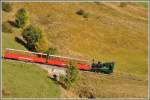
{"points": [[57, 60]]}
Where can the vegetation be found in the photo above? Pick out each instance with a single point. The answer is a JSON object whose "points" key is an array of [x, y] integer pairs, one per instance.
{"points": [[11, 43], [6, 7], [117, 85], [108, 35], [71, 77], [82, 13], [50, 51], [42, 45], [32, 35], [6, 27], [23, 80], [21, 18]]}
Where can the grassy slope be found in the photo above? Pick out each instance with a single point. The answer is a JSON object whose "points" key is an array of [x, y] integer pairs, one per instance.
{"points": [[117, 85], [21, 80], [110, 33], [27, 81]]}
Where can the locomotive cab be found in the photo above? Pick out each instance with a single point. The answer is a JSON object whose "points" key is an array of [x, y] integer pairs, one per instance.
{"points": [[106, 68]]}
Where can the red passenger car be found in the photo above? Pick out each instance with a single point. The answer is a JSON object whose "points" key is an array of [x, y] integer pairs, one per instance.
{"points": [[41, 58]]}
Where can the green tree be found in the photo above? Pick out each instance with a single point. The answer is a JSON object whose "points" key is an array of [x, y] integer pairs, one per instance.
{"points": [[50, 51], [72, 75], [42, 45], [21, 18], [32, 35], [47, 56]]}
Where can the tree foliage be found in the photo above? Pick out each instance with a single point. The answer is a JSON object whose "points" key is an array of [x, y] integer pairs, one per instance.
{"points": [[82, 13], [32, 35], [42, 45], [50, 51], [72, 75], [21, 18]]}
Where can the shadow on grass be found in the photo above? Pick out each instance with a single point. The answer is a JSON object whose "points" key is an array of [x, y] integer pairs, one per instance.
{"points": [[21, 41], [58, 82], [12, 23]]}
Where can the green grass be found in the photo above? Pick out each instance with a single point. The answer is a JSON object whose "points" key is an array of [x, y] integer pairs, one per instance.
{"points": [[22, 80], [9, 42]]}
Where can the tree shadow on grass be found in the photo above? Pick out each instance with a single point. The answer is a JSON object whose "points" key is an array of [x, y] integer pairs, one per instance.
{"points": [[12, 23], [21, 41], [58, 82]]}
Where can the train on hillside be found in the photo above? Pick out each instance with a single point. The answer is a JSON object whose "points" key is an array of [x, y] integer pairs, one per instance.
{"points": [[56, 60]]}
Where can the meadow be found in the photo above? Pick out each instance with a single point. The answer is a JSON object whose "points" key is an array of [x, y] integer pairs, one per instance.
{"points": [[108, 32], [23, 80]]}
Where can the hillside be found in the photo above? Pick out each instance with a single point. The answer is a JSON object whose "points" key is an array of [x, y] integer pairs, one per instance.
{"points": [[108, 33], [23, 80]]}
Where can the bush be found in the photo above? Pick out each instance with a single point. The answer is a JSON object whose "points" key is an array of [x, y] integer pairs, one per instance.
{"points": [[42, 45], [6, 7], [50, 51], [6, 27], [82, 13], [72, 75], [123, 4], [53, 51], [32, 36], [21, 18], [97, 2]]}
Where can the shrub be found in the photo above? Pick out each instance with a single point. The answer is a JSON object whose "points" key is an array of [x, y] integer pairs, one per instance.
{"points": [[6, 7], [21, 18], [42, 45], [6, 27], [97, 2], [123, 4], [72, 75], [32, 36], [53, 51], [50, 51], [80, 12]]}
